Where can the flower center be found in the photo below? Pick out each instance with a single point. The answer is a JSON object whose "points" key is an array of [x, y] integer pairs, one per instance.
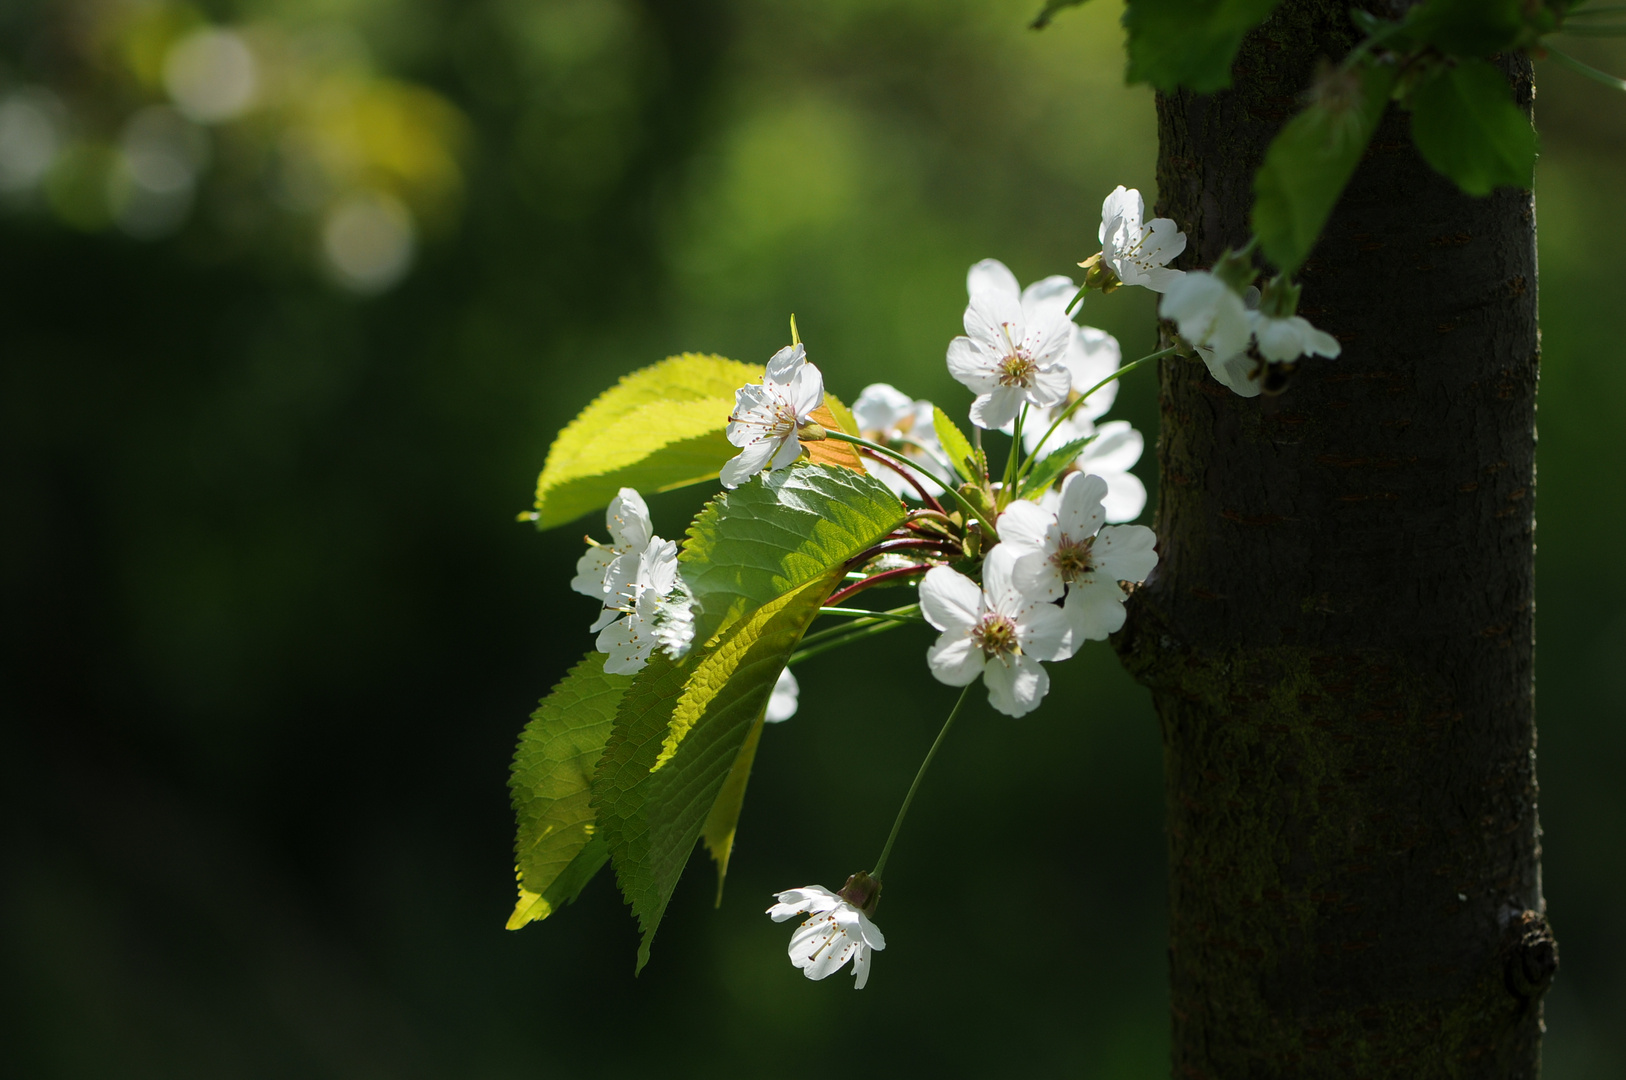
{"points": [[995, 635], [1072, 558], [1017, 369]]}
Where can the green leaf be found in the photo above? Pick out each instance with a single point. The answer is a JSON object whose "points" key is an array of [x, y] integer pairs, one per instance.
{"points": [[659, 428], [724, 819], [1053, 465], [678, 735], [1466, 126], [555, 851], [1467, 28], [1189, 43], [957, 447], [753, 545], [1310, 161], [1051, 9]]}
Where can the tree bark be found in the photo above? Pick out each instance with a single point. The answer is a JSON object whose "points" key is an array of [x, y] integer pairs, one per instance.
{"points": [[1339, 635]]}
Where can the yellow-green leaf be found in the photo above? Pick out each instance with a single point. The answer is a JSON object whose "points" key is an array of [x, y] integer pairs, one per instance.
{"points": [[659, 428], [555, 850]]}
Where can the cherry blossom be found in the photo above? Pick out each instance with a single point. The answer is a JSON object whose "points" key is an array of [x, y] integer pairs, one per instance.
{"points": [[768, 416], [1138, 253], [630, 529], [888, 416], [1068, 553], [994, 630], [784, 699], [1283, 340], [836, 931], [654, 608], [1013, 348], [1212, 318]]}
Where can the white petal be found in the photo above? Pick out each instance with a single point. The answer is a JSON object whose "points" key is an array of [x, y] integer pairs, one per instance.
{"points": [[797, 901], [788, 451], [1048, 297], [1236, 372], [881, 407], [807, 391], [861, 968], [1016, 687], [1124, 204], [972, 365], [998, 583], [996, 408], [1124, 552], [1095, 608], [994, 319], [590, 571], [1161, 278], [871, 933], [748, 463], [627, 645], [954, 660], [1093, 355], [628, 520], [1025, 525], [949, 599], [782, 367], [1117, 447], [1080, 513], [1050, 385], [1036, 577], [1126, 497], [990, 276], [1046, 633], [783, 701]]}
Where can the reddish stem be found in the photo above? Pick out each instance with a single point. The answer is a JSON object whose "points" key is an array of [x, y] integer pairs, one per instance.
{"points": [[908, 476], [884, 576]]}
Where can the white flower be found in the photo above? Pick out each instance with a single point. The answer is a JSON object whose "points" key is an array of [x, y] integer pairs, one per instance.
{"points": [[784, 699], [767, 416], [1285, 340], [1068, 552], [995, 631], [1013, 347], [654, 605], [835, 933], [1092, 356], [1139, 254], [1214, 320], [1116, 449], [888, 416], [630, 530]]}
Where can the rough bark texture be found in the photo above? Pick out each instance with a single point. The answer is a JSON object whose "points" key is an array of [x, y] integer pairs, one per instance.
{"points": [[1339, 637]]}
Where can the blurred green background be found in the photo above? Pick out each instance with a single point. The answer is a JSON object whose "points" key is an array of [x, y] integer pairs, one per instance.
{"points": [[293, 298]]}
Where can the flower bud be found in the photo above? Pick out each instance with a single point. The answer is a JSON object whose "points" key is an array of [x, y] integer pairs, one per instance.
{"points": [[862, 892]]}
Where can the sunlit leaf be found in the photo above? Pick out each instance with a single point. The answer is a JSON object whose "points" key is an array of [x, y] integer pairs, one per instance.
{"points": [[678, 735], [1466, 126], [1053, 465], [1051, 9], [958, 448], [659, 428], [753, 545], [1310, 161], [555, 851], [1189, 43], [724, 818]]}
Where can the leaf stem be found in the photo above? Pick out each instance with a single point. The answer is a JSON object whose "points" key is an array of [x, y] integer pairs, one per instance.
{"points": [[901, 615], [875, 579], [908, 478], [863, 630], [903, 811], [1016, 448], [1586, 69], [948, 489], [1082, 398]]}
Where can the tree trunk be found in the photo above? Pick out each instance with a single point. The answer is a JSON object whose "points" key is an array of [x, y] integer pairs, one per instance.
{"points": [[1339, 636]]}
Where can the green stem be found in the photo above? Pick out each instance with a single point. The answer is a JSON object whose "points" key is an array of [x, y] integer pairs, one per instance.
{"points": [[897, 615], [850, 635], [1586, 69], [903, 811], [1016, 448], [1082, 398], [948, 488]]}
